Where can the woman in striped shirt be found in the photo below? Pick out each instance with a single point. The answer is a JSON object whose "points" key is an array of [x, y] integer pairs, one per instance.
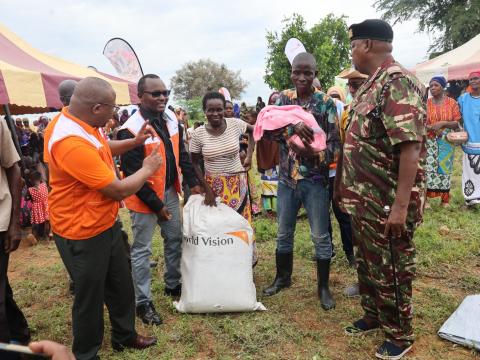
{"points": [[217, 144]]}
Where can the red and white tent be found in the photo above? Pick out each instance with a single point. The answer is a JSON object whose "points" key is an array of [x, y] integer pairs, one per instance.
{"points": [[29, 78], [454, 65]]}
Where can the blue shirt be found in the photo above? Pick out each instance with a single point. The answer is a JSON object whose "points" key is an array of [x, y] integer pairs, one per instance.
{"points": [[470, 109]]}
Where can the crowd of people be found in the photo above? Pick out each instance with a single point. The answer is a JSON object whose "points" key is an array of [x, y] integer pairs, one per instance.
{"points": [[385, 152]]}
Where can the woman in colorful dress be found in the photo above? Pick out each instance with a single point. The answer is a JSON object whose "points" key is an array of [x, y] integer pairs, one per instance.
{"points": [[470, 108], [443, 116], [217, 144], [268, 158]]}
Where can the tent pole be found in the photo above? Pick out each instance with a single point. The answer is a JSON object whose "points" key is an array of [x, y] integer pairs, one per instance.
{"points": [[11, 126]]}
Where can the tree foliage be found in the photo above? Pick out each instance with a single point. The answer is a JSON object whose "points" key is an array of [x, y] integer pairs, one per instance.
{"points": [[327, 40], [196, 78], [453, 22], [194, 108]]}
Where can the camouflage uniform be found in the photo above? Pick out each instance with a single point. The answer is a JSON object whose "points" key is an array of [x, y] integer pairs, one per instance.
{"points": [[388, 110]]}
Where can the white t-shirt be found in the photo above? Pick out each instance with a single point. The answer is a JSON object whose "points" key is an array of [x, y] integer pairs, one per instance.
{"points": [[220, 152]]}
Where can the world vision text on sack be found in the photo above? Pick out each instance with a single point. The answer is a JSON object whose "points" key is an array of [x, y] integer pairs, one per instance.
{"points": [[209, 241]]}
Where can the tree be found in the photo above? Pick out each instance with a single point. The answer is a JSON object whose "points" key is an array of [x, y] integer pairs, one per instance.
{"points": [[327, 40], [196, 78], [455, 21], [194, 108]]}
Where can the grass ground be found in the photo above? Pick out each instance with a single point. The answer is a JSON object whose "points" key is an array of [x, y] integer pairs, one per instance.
{"points": [[294, 327]]}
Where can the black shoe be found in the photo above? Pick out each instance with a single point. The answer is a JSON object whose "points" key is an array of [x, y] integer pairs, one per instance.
{"points": [[153, 264], [148, 314], [361, 327], [390, 351], [351, 260], [138, 342], [175, 292], [283, 279], [323, 275]]}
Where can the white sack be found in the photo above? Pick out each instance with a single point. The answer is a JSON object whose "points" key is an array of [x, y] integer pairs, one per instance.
{"points": [[216, 261]]}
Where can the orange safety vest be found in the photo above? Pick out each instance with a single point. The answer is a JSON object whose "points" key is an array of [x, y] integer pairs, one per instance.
{"points": [[77, 212], [157, 180]]}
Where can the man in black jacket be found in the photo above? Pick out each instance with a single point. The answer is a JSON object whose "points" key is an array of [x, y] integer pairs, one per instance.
{"points": [[157, 201]]}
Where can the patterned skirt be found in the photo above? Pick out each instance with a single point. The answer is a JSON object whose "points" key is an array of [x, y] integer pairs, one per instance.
{"points": [[233, 191], [269, 186], [439, 165], [471, 179]]}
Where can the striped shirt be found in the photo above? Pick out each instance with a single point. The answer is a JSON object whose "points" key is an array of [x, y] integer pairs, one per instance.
{"points": [[220, 152]]}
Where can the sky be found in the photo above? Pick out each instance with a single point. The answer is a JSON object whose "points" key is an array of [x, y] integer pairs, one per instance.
{"points": [[167, 34]]}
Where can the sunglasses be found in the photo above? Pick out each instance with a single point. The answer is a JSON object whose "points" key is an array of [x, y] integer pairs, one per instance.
{"points": [[156, 94]]}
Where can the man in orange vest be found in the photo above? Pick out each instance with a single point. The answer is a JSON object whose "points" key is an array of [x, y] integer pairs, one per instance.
{"points": [[83, 205], [157, 201]]}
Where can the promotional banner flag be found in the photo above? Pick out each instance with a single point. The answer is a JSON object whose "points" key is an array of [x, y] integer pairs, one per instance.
{"points": [[124, 59], [224, 91]]}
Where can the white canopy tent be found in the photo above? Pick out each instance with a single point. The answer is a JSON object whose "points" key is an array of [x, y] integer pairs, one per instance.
{"points": [[454, 65]]}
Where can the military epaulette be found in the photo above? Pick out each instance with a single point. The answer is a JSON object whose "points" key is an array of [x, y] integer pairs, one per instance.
{"points": [[395, 69]]}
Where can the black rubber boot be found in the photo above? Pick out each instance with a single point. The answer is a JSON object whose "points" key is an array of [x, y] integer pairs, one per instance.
{"points": [[283, 279], [323, 274]]}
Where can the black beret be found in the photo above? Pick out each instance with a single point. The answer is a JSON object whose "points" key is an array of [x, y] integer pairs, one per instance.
{"points": [[373, 29]]}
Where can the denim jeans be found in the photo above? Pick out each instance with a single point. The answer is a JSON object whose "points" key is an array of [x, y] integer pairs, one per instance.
{"points": [[143, 226], [315, 199]]}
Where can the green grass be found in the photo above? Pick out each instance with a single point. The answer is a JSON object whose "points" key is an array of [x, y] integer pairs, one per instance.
{"points": [[294, 327]]}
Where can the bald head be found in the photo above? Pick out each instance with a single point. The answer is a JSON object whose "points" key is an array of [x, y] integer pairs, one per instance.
{"points": [[304, 70], [93, 90], [305, 58], [65, 91], [93, 101]]}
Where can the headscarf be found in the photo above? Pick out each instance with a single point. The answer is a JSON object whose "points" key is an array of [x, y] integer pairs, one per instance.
{"points": [[475, 73], [272, 99], [339, 91], [236, 110], [439, 79]]}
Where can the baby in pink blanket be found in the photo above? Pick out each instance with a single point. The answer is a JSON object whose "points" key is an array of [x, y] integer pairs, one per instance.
{"points": [[276, 117]]}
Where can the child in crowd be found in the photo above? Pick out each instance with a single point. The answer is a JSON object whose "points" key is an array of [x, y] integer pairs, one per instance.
{"points": [[250, 118], [38, 193]]}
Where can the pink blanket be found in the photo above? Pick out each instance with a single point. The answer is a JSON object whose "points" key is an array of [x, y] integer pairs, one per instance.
{"points": [[275, 117]]}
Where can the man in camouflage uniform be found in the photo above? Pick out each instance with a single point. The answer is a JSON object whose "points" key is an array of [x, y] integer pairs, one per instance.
{"points": [[382, 165]]}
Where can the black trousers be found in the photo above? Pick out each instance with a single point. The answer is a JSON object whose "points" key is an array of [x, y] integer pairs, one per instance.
{"points": [[100, 271], [343, 220], [13, 325]]}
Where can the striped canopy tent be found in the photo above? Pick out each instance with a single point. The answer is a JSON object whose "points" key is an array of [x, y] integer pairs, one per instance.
{"points": [[29, 78], [454, 65]]}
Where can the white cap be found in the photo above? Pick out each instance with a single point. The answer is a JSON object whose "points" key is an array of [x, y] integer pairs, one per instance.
{"points": [[293, 48]]}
